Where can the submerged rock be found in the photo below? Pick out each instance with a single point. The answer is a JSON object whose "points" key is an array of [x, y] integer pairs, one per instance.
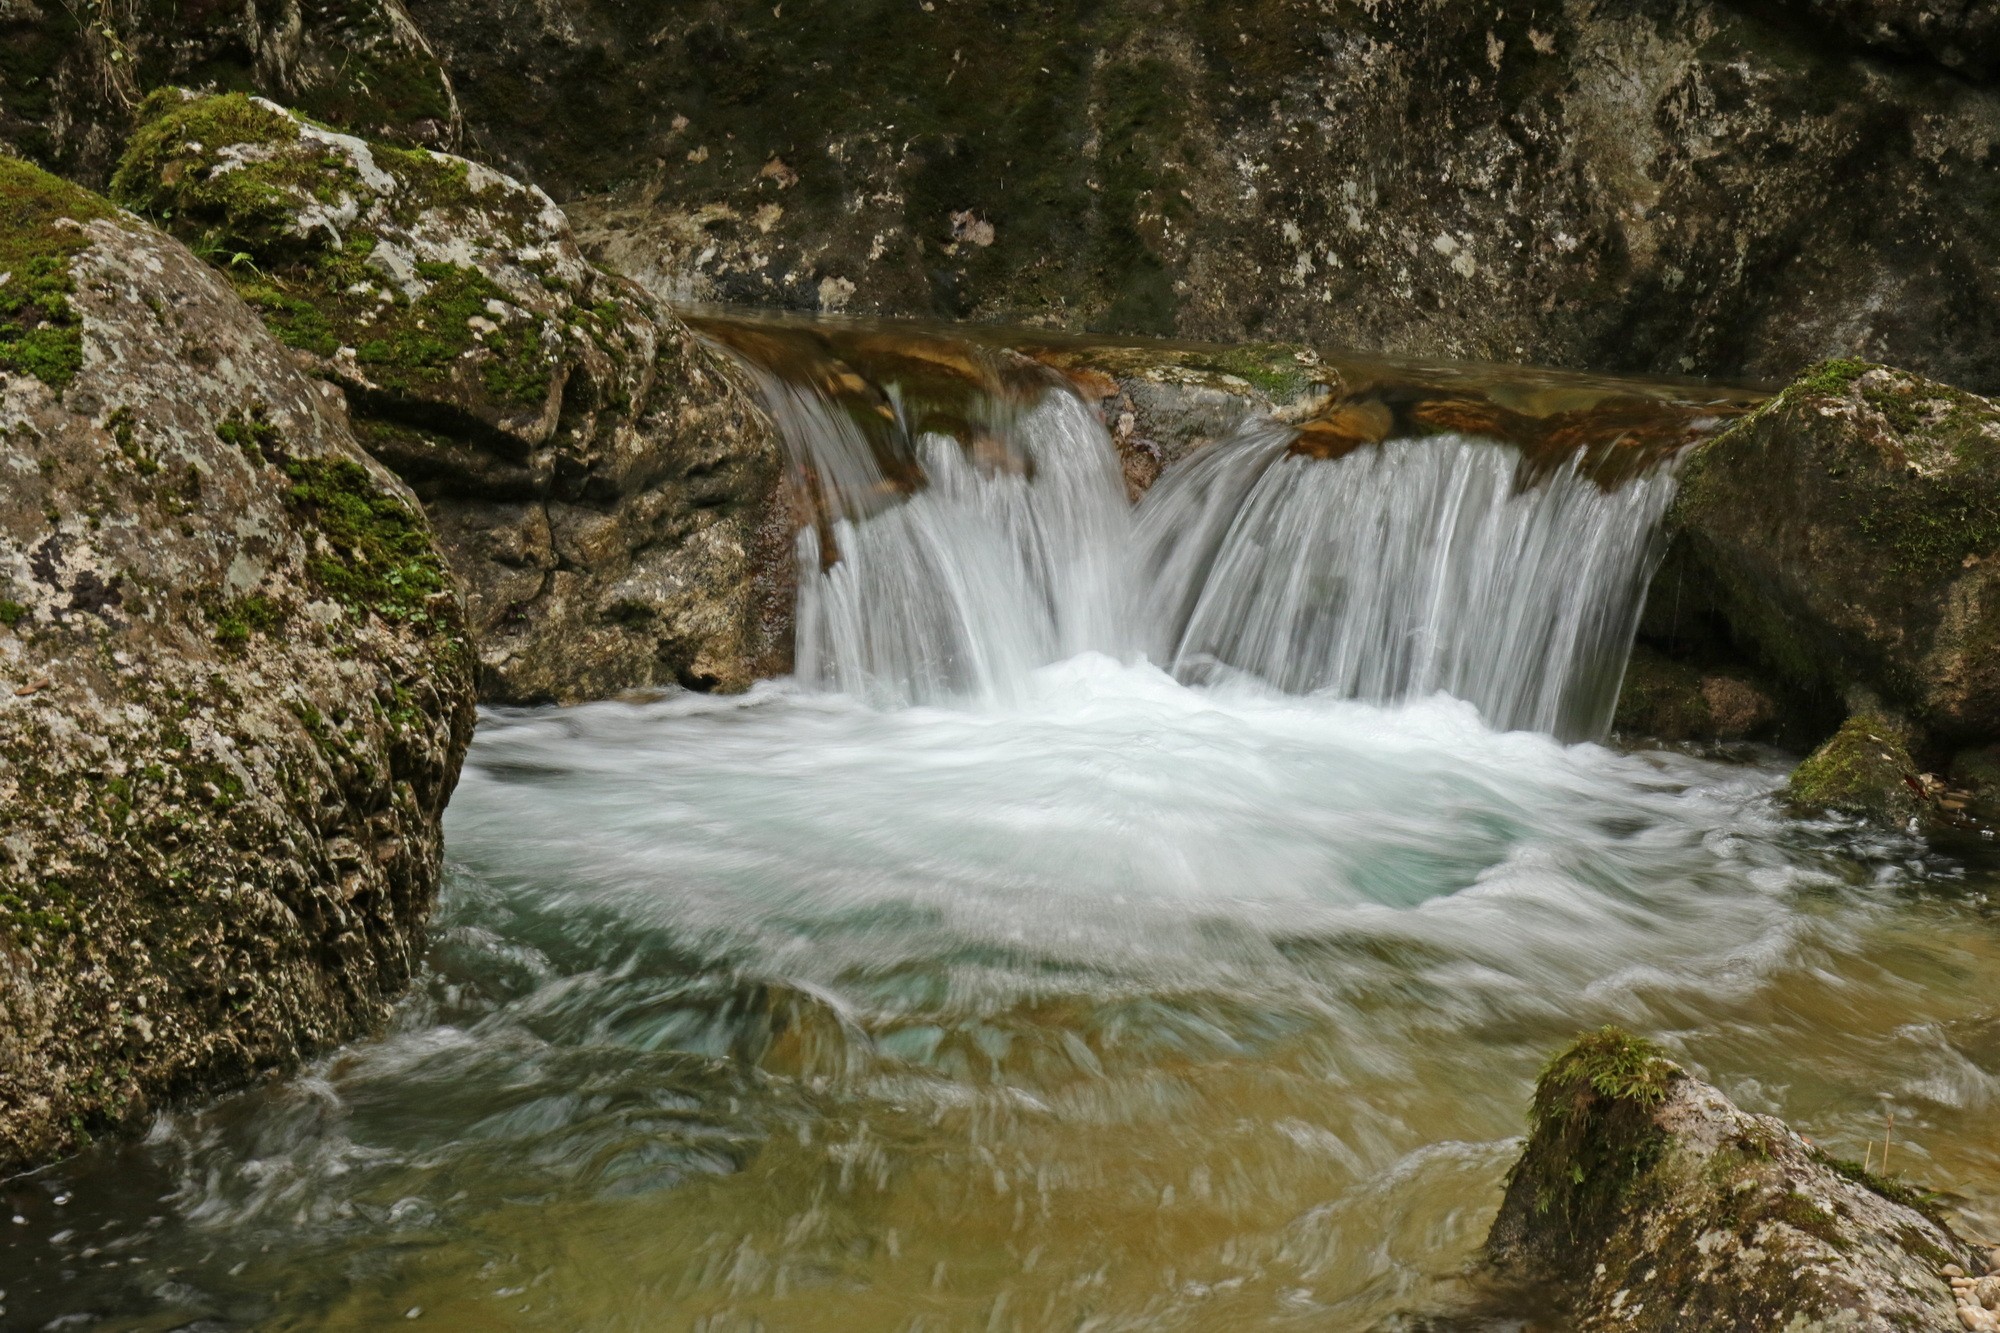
{"points": [[1647, 1201], [603, 487], [1847, 534], [235, 687]]}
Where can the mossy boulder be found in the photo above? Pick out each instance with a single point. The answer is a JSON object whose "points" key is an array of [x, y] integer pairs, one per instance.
{"points": [[1645, 1201], [235, 689], [603, 485], [1864, 769], [1848, 535]]}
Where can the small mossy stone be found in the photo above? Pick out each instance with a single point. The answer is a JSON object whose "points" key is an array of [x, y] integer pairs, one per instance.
{"points": [[1864, 769]]}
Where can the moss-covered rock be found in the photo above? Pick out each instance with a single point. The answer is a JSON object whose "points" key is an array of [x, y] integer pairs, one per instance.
{"points": [[235, 688], [1848, 534], [1645, 1201], [39, 328], [1864, 769], [603, 486]]}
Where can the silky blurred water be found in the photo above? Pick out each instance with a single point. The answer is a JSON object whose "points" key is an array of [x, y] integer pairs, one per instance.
{"points": [[1128, 1005], [991, 977]]}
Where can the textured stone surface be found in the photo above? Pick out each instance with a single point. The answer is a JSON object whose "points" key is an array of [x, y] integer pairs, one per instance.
{"points": [[1672, 185], [72, 75], [1650, 1203], [603, 486], [1848, 534], [234, 693]]}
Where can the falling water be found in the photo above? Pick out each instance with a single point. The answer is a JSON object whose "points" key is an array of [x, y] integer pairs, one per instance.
{"points": [[1403, 570], [1419, 566]]}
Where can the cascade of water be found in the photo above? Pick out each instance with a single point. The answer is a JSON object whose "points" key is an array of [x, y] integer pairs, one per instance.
{"points": [[1402, 570], [996, 566], [1397, 571]]}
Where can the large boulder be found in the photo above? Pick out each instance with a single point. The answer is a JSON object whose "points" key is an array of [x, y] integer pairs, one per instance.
{"points": [[235, 686], [1848, 535], [604, 488], [1646, 1202]]}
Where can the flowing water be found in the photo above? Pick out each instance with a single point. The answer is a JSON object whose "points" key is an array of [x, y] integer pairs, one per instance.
{"points": [[1125, 919]]}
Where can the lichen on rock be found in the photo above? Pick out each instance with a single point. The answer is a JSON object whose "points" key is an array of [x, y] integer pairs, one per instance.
{"points": [[1646, 1201], [604, 487], [235, 689]]}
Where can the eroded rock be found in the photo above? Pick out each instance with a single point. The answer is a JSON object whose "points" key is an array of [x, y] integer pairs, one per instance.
{"points": [[603, 487], [1648, 1202], [235, 688]]}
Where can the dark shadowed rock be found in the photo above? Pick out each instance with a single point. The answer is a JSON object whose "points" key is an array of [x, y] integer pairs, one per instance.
{"points": [[1961, 35], [74, 75], [235, 687], [603, 487], [1647, 1202]]}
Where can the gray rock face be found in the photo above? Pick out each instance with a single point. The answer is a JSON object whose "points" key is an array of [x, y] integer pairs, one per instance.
{"points": [[234, 693], [604, 488], [1652, 1204], [1705, 186]]}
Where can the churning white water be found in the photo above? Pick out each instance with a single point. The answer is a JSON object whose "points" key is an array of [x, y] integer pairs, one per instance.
{"points": [[1399, 571]]}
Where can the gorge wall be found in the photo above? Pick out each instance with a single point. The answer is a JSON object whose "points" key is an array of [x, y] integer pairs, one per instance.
{"points": [[1729, 188]]}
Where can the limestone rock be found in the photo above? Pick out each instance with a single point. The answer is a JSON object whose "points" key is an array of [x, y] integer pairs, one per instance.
{"points": [[1666, 185], [603, 487], [1651, 1204], [235, 688], [1848, 534]]}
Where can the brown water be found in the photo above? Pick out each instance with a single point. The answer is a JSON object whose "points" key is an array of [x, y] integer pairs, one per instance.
{"points": [[1121, 1001]]}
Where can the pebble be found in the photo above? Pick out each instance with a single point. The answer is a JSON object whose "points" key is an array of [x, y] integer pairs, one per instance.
{"points": [[1978, 1299]]}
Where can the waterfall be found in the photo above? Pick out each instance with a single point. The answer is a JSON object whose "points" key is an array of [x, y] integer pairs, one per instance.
{"points": [[947, 570], [1401, 570], [1004, 559]]}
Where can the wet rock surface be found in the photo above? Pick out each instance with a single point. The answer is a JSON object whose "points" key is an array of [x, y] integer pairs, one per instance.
{"points": [[1645, 1200], [603, 487], [235, 689]]}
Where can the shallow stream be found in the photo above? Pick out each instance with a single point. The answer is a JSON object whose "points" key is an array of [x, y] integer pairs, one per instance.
{"points": [[1125, 921]]}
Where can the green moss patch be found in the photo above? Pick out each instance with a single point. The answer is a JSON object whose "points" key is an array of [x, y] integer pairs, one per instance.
{"points": [[1592, 1134], [379, 555], [250, 192], [40, 332], [1865, 769]]}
